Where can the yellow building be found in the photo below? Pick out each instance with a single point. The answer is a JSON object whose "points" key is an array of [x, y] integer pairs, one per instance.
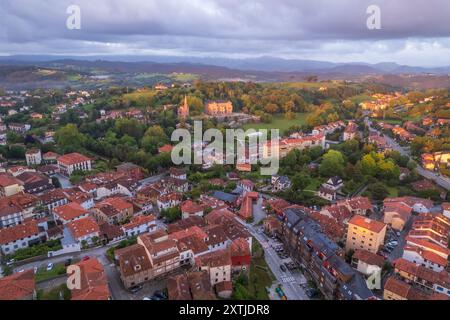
{"points": [[218, 107], [364, 233]]}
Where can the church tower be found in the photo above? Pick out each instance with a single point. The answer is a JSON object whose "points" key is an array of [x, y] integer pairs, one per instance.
{"points": [[183, 110]]}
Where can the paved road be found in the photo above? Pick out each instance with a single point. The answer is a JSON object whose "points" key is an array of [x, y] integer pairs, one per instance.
{"points": [[439, 179], [95, 252], [291, 282], [151, 179]]}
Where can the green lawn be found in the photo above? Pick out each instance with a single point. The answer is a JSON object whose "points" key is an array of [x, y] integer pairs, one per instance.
{"points": [[279, 122], [313, 186], [54, 293], [393, 192], [261, 276], [42, 274]]}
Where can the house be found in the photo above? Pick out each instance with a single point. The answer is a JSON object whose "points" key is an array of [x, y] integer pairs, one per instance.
{"points": [[228, 198], [35, 183], [93, 281], [19, 237], [240, 256], [190, 286], [446, 209], [396, 289], [50, 157], [424, 278], [280, 183], [424, 257], [431, 227], [139, 225], [190, 208], [367, 262], [134, 265], [113, 210], [169, 200], [19, 286], [33, 157], [17, 208], [130, 169], [365, 233], [327, 194], [9, 185], [246, 185], [69, 212], [84, 229], [217, 264], [165, 149], [350, 131], [71, 162], [246, 210], [177, 173], [272, 226], [334, 183], [397, 214], [277, 206], [418, 205]]}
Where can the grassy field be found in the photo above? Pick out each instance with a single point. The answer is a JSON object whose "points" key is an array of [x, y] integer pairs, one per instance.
{"points": [[279, 122], [260, 274], [313, 186], [140, 97], [393, 192], [54, 293], [43, 275]]}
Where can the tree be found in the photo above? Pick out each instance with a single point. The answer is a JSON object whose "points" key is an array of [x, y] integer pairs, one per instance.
{"points": [[368, 165], [300, 181], [154, 137], [378, 190], [332, 164], [69, 138]]}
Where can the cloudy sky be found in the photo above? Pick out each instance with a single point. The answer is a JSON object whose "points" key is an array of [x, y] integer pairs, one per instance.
{"points": [[414, 32]]}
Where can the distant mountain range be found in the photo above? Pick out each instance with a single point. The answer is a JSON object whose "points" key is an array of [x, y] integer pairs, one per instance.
{"points": [[33, 71], [263, 64]]}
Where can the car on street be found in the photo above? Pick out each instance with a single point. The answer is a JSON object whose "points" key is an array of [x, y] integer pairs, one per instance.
{"points": [[136, 289], [68, 262], [9, 263], [160, 294], [49, 266], [85, 258], [283, 268], [35, 270], [312, 293]]}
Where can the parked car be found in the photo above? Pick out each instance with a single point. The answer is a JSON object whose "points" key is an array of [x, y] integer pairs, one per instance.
{"points": [[85, 258], [160, 294], [35, 270], [49, 266], [136, 289], [68, 262], [283, 268], [312, 293], [9, 263]]}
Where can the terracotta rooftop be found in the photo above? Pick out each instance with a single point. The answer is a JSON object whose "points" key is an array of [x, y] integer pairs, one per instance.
{"points": [[366, 223], [72, 158], [70, 211], [18, 232], [18, 286], [83, 227]]}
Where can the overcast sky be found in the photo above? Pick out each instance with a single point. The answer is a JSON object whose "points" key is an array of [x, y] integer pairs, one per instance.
{"points": [[413, 32]]}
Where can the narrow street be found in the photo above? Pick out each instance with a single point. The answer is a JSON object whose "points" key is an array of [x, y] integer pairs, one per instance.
{"points": [[439, 179], [291, 281]]}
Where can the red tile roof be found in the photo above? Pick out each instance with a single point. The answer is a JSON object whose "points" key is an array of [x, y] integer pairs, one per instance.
{"points": [[94, 284], [83, 227], [18, 286], [70, 211], [366, 223], [72, 158], [369, 257], [18, 232]]}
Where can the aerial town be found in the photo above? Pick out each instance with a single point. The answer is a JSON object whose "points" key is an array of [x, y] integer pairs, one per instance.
{"points": [[230, 158], [357, 211]]}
